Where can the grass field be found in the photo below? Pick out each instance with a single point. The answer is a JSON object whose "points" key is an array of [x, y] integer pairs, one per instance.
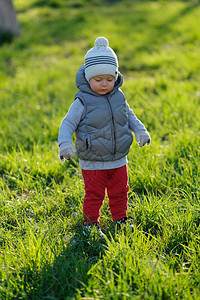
{"points": [[43, 253]]}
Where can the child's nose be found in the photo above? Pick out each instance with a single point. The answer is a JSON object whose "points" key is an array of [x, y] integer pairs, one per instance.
{"points": [[104, 82]]}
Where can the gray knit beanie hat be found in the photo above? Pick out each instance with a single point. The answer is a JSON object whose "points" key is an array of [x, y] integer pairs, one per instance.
{"points": [[101, 60]]}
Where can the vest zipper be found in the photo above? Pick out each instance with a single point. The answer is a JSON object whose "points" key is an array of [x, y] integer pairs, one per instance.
{"points": [[113, 124]]}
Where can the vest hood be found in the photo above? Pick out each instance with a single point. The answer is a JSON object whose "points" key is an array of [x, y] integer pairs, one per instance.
{"points": [[83, 85]]}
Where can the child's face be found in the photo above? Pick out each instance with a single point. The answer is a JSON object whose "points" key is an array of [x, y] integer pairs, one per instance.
{"points": [[102, 84]]}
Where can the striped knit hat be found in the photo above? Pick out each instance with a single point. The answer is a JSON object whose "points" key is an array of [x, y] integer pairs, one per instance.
{"points": [[101, 60]]}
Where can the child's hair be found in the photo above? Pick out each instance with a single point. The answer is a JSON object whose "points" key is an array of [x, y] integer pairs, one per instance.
{"points": [[101, 60]]}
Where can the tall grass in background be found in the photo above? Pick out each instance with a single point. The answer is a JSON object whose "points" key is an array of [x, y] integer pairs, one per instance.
{"points": [[43, 253]]}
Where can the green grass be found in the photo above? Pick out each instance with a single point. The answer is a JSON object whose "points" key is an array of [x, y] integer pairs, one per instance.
{"points": [[43, 253]]}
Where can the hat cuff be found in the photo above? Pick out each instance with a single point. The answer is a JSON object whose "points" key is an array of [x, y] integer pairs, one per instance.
{"points": [[102, 69]]}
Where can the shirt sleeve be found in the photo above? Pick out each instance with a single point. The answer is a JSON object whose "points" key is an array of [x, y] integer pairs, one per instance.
{"points": [[134, 123], [70, 122]]}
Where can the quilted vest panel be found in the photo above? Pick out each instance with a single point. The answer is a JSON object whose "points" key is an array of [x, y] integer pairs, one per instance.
{"points": [[103, 133]]}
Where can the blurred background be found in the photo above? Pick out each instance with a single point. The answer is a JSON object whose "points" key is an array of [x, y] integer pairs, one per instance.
{"points": [[43, 254]]}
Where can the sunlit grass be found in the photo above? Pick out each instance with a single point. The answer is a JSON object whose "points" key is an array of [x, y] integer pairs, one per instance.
{"points": [[44, 254]]}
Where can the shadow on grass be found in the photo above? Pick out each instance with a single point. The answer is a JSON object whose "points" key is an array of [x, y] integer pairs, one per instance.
{"points": [[53, 29], [153, 34], [67, 24], [68, 272]]}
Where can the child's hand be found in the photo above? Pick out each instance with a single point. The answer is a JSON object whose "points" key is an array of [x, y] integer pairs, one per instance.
{"points": [[67, 151], [142, 137]]}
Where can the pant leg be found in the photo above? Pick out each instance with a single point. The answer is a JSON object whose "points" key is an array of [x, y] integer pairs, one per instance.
{"points": [[117, 189], [95, 184]]}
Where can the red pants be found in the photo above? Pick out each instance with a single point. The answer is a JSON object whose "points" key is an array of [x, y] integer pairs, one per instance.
{"points": [[96, 182]]}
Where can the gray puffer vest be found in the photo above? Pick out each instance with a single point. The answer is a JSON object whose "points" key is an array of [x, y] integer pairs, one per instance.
{"points": [[103, 133]]}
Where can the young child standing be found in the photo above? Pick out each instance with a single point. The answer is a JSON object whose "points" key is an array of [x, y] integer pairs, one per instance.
{"points": [[102, 121]]}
